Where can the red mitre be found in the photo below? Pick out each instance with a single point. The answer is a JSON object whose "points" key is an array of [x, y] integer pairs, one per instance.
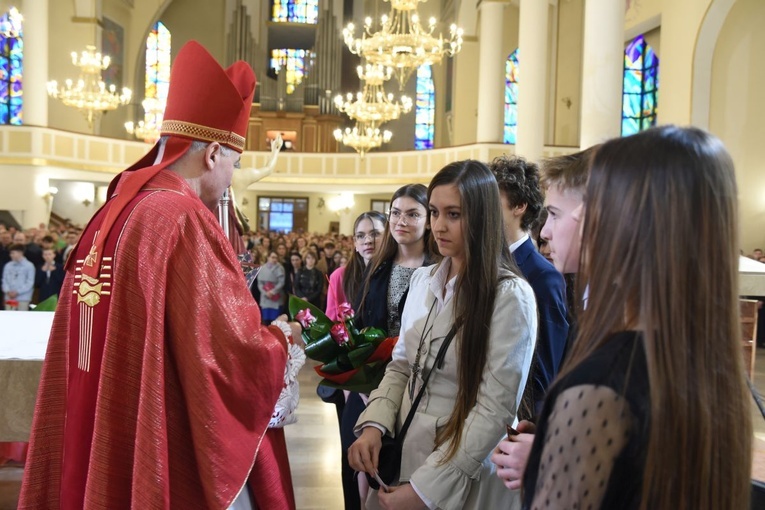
{"points": [[205, 102]]}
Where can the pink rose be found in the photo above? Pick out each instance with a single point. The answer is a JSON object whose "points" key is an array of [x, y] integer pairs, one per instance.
{"points": [[305, 318], [339, 333], [345, 312]]}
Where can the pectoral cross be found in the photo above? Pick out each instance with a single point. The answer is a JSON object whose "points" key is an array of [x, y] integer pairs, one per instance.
{"points": [[91, 257]]}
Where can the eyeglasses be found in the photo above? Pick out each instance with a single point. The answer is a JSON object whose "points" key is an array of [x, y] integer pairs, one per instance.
{"points": [[410, 217], [361, 236]]}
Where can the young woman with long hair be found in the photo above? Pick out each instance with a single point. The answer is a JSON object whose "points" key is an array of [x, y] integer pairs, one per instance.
{"points": [[476, 291], [368, 229], [651, 409], [406, 245], [346, 281]]}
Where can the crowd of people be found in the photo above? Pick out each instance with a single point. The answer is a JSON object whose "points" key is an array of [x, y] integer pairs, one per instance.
{"points": [[32, 263], [609, 378]]}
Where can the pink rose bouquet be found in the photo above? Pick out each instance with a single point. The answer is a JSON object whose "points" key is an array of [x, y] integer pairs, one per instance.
{"points": [[352, 359]]}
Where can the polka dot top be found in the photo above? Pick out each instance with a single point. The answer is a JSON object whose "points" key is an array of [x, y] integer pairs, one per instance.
{"points": [[589, 450]]}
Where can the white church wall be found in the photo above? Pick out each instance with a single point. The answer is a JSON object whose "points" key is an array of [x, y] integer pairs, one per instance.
{"points": [[737, 111]]}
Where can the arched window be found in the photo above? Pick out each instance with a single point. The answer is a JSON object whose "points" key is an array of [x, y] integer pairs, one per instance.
{"points": [[295, 11], [641, 86], [157, 74], [511, 97], [11, 55], [425, 109], [294, 62]]}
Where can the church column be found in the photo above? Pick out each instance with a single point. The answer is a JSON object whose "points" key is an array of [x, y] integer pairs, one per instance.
{"points": [[602, 69], [532, 85], [491, 70], [35, 63]]}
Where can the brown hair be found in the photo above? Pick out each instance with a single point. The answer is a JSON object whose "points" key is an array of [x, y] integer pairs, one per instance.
{"points": [[389, 247], [652, 200], [487, 262], [568, 172], [518, 180], [354, 269]]}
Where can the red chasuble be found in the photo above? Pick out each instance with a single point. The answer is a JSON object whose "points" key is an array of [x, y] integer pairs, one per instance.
{"points": [[159, 381]]}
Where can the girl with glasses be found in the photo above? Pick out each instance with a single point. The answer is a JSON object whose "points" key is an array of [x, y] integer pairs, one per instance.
{"points": [[404, 246], [346, 281]]}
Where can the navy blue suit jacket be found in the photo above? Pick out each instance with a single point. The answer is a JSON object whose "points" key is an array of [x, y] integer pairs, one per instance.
{"points": [[550, 291]]}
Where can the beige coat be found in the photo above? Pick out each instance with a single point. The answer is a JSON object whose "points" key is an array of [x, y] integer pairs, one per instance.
{"points": [[468, 480]]}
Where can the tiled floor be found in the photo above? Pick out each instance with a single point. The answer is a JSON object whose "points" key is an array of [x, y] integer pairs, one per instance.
{"points": [[314, 449]]}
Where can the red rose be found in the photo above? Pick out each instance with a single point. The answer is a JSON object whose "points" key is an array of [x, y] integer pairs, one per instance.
{"points": [[305, 318], [339, 333], [345, 311]]}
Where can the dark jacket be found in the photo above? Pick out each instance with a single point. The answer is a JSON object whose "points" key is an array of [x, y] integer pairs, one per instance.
{"points": [[375, 310], [550, 292], [49, 284], [289, 278], [308, 285]]}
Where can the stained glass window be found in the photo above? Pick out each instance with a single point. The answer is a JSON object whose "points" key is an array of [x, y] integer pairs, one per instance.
{"points": [[157, 72], [11, 54], [295, 11], [641, 86], [425, 109], [295, 62], [511, 97]]}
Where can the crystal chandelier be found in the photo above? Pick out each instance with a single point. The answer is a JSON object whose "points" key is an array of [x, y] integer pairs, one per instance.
{"points": [[90, 94], [402, 43], [373, 106], [363, 137], [148, 128]]}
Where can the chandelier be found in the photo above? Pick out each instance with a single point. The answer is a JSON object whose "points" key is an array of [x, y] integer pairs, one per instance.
{"points": [[90, 94], [402, 43], [363, 137], [148, 128], [372, 106]]}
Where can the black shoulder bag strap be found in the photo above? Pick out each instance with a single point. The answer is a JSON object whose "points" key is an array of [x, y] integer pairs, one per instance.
{"points": [[438, 364], [391, 447]]}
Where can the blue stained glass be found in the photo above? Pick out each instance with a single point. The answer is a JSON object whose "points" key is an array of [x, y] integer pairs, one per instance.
{"points": [[295, 11], [649, 81], [629, 126], [425, 109], [11, 67], [295, 62], [632, 83], [649, 105], [651, 60], [511, 97], [640, 85], [157, 81]]}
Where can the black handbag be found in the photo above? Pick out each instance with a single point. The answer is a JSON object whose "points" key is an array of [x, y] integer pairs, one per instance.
{"points": [[389, 460]]}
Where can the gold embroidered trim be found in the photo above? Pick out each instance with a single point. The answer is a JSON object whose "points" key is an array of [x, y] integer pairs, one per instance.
{"points": [[179, 127], [89, 291]]}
